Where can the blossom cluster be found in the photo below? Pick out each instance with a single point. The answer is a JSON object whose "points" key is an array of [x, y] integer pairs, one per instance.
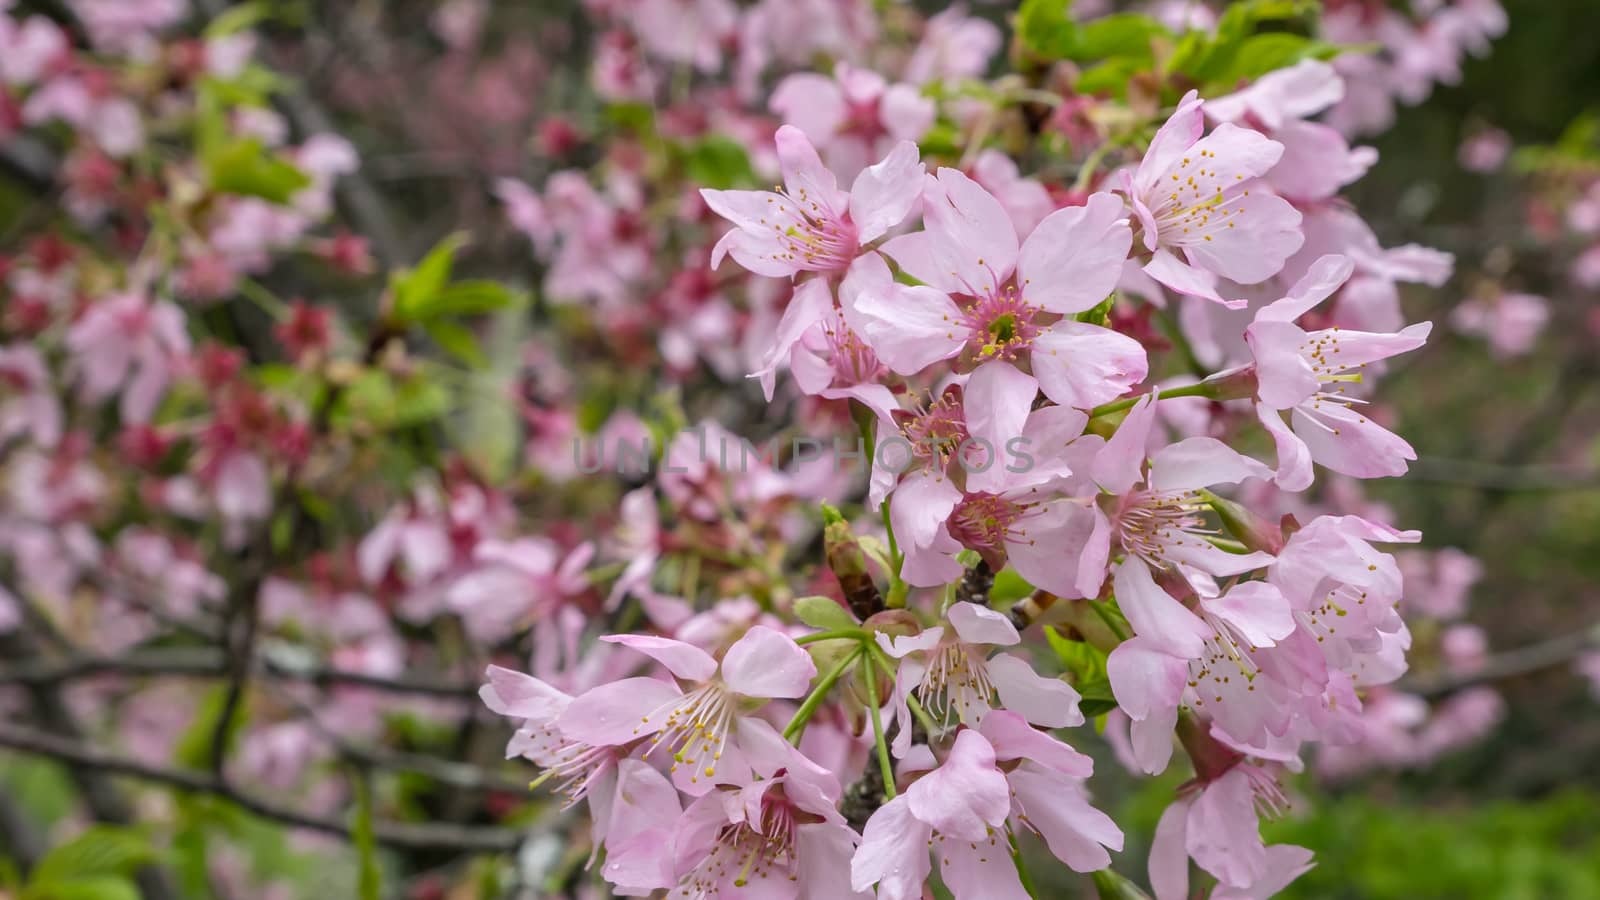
{"points": [[1110, 338]]}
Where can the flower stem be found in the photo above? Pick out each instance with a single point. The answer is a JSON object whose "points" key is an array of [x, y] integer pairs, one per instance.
{"points": [[1199, 389], [819, 693], [878, 738], [831, 634]]}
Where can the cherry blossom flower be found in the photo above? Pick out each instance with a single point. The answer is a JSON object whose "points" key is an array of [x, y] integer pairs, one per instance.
{"points": [[854, 117], [708, 730], [1512, 323], [809, 225], [1307, 373], [30, 406], [1016, 299], [781, 836], [1218, 828], [1002, 777], [956, 679], [1201, 197], [130, 345]]}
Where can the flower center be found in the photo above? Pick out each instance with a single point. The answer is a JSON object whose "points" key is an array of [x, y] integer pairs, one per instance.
{"points": [[1196, 202], [957, 681], [937, 432], [1001, 325], [573, 765], [853, 361], [748, 851], [695, 729], [985, 521], [812, 236], [1152, 523]]}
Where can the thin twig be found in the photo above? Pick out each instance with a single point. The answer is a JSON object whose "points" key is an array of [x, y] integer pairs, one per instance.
{"points": [[400, 835], [1557, 651], [207, 662]]}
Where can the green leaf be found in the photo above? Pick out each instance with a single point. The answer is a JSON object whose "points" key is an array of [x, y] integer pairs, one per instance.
{"points": [[822, 613], [1265, 53], [415, 290], [100, 850], [1110, 78], [471, 298], [1099, 314], [1125, 35], [237, 19], [458, 341], [638, 117], [719, 162], [1086, 669], [244, 167], [1046, 27], [1111, 886], [419, 401], [195, 744], [102, 887], [370, 883]]}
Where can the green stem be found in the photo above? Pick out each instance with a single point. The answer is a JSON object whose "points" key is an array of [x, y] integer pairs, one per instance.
{"points": [[1022, 867], [818, 694], [831, 634], [1105, 616], [883, 661], [870, 672], [260, 296], [1090, 165], [1200, 389]]}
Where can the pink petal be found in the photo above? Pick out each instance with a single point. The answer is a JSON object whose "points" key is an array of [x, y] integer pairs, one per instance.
{"points": [[969, 232], [981, 625], [1222, 833], [1267, 233], [1154, 614], [1171, 140], [1059, 544], [1256, 609], [825, 851], [967, 795], [810, 102], [1077, 833], [1013, 738], [1284, 376], [520, 696], [1352, 444], [1172, 272], [980, 869], [1082, 365], [1119, 464], [811, 302], [996, 401], [1072, 260], [918, 511], [768, 663], [1199, 462], [1316, 285], [900, 645], [614, 714], [683, 660], [1049, 702], [1145, 678], [1294, 457], [806, 178], [893, 853], [1169, 854], [884, 193]]}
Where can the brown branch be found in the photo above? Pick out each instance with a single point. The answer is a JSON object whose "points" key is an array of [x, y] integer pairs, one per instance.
{"points": [[1490, 476], [1526, 660], [399, 835], [209, 663]]}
